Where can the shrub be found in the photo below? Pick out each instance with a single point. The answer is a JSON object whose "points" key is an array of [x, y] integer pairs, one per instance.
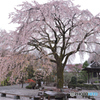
{"points": [[80, 81], [72, 86], [84, 86], [32, 84], [5, 82], [73, 80], [28, 87], [2, 83], [95, 81]]}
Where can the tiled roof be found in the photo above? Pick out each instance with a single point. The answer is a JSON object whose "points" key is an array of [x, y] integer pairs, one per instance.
{"points": [[94, 65]]}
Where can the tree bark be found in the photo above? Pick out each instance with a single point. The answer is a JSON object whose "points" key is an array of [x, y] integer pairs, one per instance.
{"points": [[39, 83], [60, 80]]}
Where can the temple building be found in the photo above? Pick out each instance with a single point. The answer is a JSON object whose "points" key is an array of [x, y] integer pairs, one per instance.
{"points": [[93, 71]]}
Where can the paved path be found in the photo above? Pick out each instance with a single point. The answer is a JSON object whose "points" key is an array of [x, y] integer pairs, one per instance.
{"points": [[16, 89]]}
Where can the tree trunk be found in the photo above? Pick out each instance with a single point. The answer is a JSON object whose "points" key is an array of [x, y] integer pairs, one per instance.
{"points": [[22, 81], [60, 70], [39, 83]]}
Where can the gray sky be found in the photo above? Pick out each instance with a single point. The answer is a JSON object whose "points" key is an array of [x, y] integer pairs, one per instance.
{"points": [[7, 6]]}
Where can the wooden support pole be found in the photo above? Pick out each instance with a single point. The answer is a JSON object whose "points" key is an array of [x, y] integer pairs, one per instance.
{"points": [[88, 77], [98, 77], [91, 77]]}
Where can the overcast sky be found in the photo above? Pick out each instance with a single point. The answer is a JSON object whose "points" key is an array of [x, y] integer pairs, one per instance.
{"points": [[7, 6]]}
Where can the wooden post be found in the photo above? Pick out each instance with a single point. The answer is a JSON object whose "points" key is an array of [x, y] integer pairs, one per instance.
{"points": [[91, 77], [88, 77], [98, 77]]}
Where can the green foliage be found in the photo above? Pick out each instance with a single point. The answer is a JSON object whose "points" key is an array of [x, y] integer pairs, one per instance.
{"points": [[31, 85], [2, 83], [85, 64], [30, 71], [5, 82], [28, 87], [16, 78], [67, 77], [84, 86], [83, 75], [73, 80], [8, 78], [9, 74], [95, 81], [80, 81]]}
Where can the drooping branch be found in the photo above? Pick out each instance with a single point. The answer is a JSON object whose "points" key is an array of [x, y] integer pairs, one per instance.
{"points": [[59, 27], [90, 52]]}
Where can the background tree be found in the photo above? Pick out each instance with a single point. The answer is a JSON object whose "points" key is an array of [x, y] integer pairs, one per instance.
{"points": [[85, 64], [11, 67], [30, 71], [67, 77], [58, 27], [83, 76], [72, 70]]}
